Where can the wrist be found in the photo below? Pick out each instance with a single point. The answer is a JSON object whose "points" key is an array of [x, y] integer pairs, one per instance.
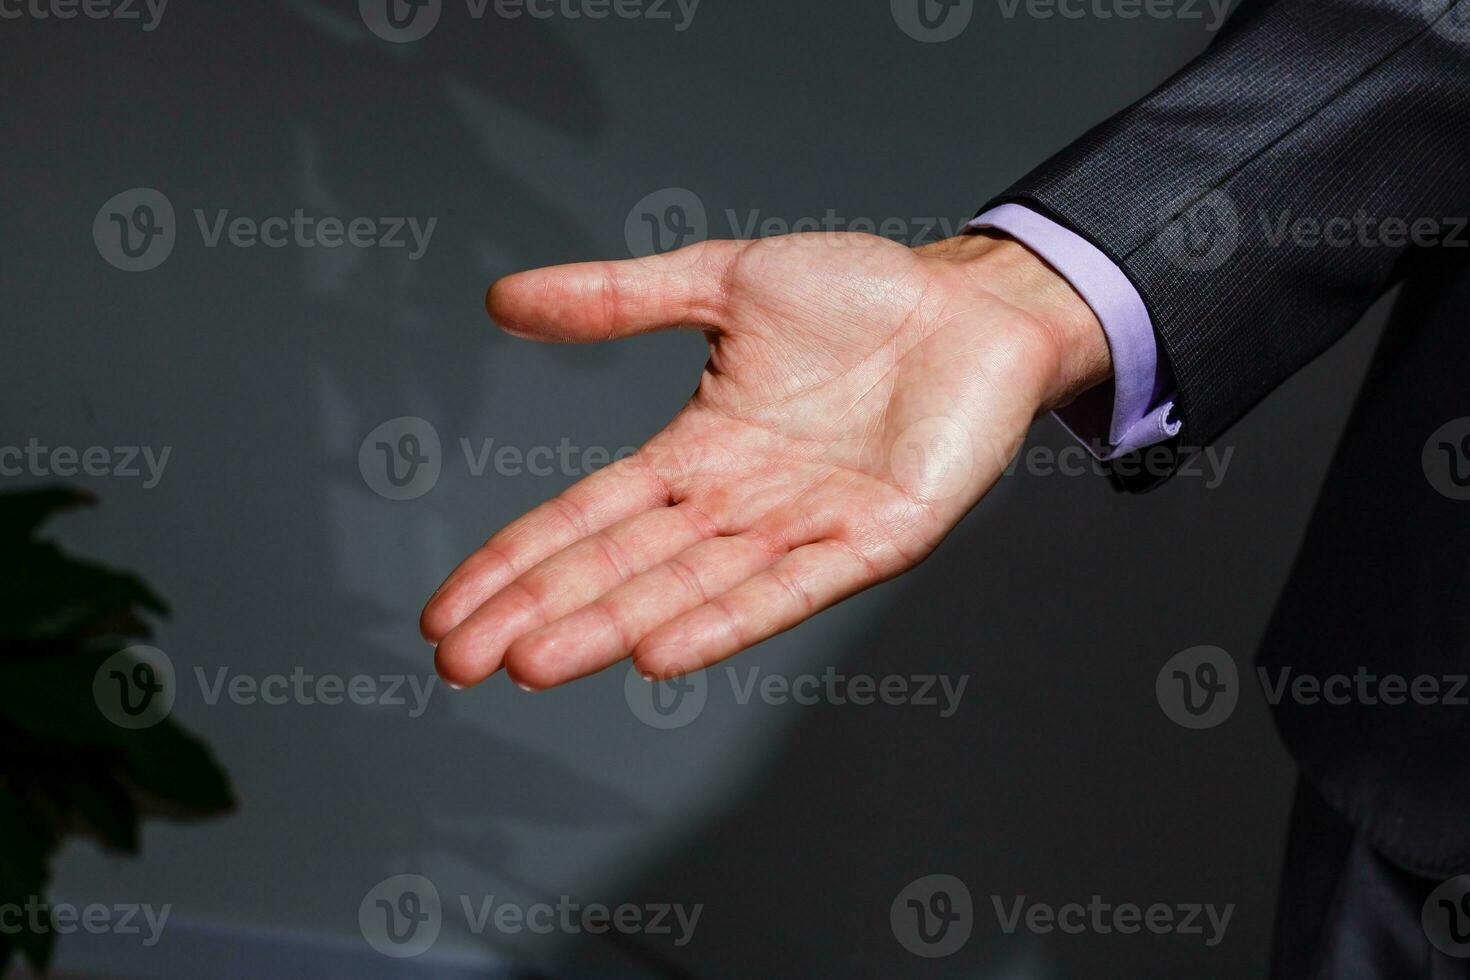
{"points": [[1064, 327]]}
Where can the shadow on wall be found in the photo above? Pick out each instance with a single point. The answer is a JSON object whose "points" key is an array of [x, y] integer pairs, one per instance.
{"points": [[298, 97]]}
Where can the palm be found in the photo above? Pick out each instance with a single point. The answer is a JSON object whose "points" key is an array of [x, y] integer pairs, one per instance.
{"points": [[843, 385], [859, 398]]}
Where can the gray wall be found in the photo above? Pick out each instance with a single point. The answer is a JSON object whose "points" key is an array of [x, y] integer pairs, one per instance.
{"points": [[530, 141]]}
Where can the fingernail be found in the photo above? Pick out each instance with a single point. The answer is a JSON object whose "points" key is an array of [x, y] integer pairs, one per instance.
{"points": [[453, 686]]}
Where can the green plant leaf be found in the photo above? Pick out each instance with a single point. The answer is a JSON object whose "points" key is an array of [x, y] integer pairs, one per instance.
{"points": [[175, 774], [166, 770], [50, 699], [66, 768], [27, 850], [95, 803], [22, 512], [45, 593]]}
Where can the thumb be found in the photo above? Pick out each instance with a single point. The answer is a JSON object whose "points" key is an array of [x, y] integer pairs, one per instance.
{"points": [[595, 301]]}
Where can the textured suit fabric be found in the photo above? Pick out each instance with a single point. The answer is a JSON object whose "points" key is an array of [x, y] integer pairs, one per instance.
{"points": [[1300, 109], [1382, 583], [1205, 193]]}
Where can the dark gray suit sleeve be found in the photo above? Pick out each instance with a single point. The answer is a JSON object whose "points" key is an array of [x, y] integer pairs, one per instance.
{"points": [[1266, 195]]}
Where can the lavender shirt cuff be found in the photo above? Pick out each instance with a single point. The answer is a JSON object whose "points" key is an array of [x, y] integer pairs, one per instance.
{"points": [[1135, 409]]}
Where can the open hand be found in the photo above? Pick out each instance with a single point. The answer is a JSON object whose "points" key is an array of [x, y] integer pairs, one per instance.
{"points": [[859, 398]]}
